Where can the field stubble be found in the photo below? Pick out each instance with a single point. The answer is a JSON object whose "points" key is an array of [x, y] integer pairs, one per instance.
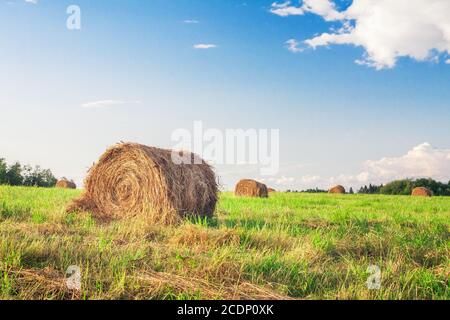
{"points": [[289, 246]]}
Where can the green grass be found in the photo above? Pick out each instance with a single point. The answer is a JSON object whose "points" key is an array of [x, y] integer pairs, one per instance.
{"points": [[307, 246]]}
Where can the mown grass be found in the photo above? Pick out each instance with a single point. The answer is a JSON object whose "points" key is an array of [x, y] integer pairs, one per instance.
{"points": [[307, 246]]}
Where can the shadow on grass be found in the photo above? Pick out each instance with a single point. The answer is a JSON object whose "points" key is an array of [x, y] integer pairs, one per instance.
{"points": [[207, 222]]}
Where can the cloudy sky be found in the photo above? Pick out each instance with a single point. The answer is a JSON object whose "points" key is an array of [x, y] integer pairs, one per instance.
{"points": [[360, 90]]}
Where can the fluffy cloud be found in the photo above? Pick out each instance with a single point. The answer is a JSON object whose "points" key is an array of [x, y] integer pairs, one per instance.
{"points": [[285, 9], [205, 46], [293, 46], [31, 1], [422, 161], [280, 181], [386, 29], [311, 179], [324, 8]]}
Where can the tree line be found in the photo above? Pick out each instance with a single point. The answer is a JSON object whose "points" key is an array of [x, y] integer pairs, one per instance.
{"points": [[397, 187], [17, 175], [405, 187]]}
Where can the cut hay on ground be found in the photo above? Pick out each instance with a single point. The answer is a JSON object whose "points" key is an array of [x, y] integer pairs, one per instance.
{"points": [[337, 189], [251, 188], [65, 184], [421, 192], [230, 290], [131, 179], [40, 284]]}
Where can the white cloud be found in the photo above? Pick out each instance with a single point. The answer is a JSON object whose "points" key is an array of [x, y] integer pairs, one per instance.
{"points": [[280, 181], [107, 103], [205, 46], [386, 29], [283, 180], [285, 9], [324, 8], [310, 179], [293, 46], [447, 61], [422, 161], [31, 1], [191, 21]]}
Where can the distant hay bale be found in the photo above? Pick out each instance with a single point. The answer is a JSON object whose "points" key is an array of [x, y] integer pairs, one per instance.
{"points": [[421, 192], [337, 189], [270, 190], [251, 188], [131, 179], [65, 184]]}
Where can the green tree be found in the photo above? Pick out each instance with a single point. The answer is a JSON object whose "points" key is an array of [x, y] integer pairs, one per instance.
{"points": [[27, 174], [14, 174], [38, 177], [398, 187], [438, 188], [371, 189], [316, 190], [3, 169], [47, 179]]}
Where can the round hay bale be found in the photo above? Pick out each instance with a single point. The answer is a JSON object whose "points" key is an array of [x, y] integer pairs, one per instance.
{"points": [[131, 179], [271, 190], [337, 189], [251, 188], [421, 192], [65, 184]]}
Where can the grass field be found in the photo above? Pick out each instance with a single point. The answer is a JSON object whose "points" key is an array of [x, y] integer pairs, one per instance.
{"points": [[306, 246]]}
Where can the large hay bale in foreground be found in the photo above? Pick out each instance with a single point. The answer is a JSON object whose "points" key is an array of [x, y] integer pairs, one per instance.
{"points": [[421, 192], [251, 188], [65, 184], [131, 179], [337, 189]]}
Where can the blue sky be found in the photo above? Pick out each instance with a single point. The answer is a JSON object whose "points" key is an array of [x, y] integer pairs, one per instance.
{"points": [[333, 114]]}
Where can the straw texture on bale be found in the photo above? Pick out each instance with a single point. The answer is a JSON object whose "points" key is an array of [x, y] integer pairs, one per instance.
{"points": [[421, 192], [65, 184], [131, 178], [251, 188], [337, 189]]}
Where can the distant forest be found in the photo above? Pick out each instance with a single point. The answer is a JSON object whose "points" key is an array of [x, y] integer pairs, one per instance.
{"points": [[405, 187], [17, 175], [397, 187]]}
